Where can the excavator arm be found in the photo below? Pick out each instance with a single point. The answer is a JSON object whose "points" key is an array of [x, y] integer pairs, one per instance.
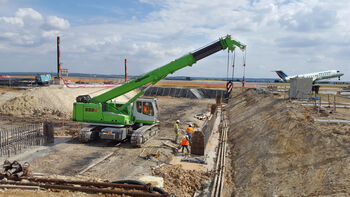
{"points": [[160, 73]]}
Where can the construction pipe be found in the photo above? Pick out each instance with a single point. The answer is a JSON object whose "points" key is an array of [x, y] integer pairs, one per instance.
{"points": [[126, 184], [222, 163], [217, 190], [19, 187], [85, 189], [325, 103], [225, 129], [215, 182], [132, 182], [337, 106], [85, 183], [217, 176], [219, 179], [332, 121]]}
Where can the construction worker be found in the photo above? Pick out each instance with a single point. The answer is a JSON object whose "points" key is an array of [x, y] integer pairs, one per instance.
{"points": [[145, 111], [190, 130], [184, 144], [176, 130]]}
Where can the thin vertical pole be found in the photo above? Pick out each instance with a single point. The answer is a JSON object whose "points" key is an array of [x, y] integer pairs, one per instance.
{"points": [[126, 73], [58, 58]]}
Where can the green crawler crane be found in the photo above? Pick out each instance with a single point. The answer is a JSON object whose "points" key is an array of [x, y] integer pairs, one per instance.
{"points": [[137, 118]]}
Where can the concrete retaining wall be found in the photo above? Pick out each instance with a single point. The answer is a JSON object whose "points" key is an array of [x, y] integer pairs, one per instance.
{"points": [[200, 138], [300, 88], [207, 128]]}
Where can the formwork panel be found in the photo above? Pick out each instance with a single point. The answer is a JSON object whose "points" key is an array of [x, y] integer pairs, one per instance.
{"points": [[300, 88]]}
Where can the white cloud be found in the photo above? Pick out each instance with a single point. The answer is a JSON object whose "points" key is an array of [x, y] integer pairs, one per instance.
{"points": [[28, 13], [303, 16], [12, 20], [297, 36], [23, 14], [50, 34], [277, 34], [27, 28], [57, 23], [8, 35]]}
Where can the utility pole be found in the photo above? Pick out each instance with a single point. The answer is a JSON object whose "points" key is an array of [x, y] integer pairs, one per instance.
{"points": [[58, 58], [126, 75]]}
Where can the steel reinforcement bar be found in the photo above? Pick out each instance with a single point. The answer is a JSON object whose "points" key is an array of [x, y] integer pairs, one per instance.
{"points": [[14, 140]]}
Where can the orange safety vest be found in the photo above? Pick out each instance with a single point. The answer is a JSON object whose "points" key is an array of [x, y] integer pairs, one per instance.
{"points": [[190, 129], [184, 142], [145, 109]]}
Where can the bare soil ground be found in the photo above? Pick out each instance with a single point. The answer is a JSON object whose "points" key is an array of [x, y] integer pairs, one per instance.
{"points": [[274, 151], [52, 102], [181, 182], [18, 107]]}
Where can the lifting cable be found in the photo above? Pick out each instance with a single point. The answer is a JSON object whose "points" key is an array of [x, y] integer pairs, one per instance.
{"points": [[228, 63], [244, 65], [233, 64], [229, 84]]}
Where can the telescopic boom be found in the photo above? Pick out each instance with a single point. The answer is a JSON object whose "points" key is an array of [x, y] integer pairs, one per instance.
{"points": [[160, 73]]}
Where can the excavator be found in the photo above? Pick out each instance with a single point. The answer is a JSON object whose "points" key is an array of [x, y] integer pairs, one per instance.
{"points": [[136, 119]]}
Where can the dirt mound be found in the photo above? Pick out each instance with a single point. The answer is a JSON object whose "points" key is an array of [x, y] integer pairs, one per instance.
{"points": [[30, 106], [179, 181], [49, 102], [274, 151]]}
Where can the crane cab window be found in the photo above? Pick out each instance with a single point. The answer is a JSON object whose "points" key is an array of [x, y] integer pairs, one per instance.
{"points": [[145, 108], [139, 106]]}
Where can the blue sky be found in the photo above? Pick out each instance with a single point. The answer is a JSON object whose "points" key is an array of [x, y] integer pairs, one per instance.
{"points": [[297, 36], [82, 12]]}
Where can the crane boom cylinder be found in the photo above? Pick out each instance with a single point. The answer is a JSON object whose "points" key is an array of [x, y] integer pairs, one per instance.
{"points": [[160, 73], [208, 50]]}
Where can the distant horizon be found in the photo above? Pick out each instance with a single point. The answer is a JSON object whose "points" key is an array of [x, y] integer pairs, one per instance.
{"points": [[177, 77]]}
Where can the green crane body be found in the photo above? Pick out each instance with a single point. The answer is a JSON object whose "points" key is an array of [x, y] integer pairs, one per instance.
{"points": [[99, 110]]}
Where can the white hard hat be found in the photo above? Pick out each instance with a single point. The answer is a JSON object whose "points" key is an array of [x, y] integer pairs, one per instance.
{"points": [[178, 121], [190, 125]]}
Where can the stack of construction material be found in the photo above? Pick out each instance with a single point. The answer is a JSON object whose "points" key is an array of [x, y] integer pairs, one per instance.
{"points": [[15, 170]]}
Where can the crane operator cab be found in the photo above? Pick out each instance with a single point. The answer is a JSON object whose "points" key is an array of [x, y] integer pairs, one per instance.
{"points": [[145, 111]]}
